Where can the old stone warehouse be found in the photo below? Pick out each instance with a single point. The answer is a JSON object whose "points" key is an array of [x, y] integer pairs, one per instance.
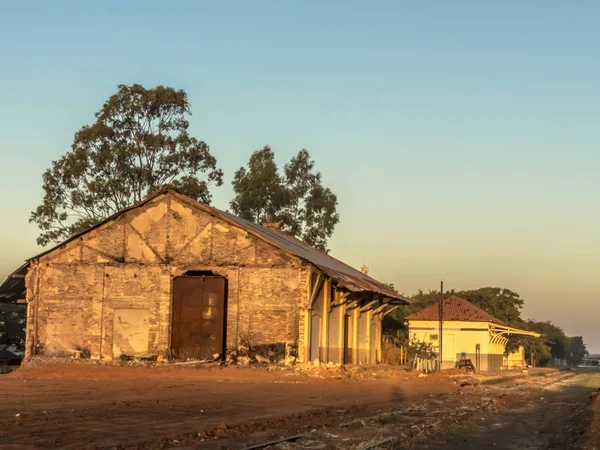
{"points": [[170, 278]]}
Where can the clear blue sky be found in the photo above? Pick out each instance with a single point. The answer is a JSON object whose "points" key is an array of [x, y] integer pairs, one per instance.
{"points": [[462, 138]]}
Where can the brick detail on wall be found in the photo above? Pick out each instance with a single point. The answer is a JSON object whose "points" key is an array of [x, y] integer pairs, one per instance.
{"points": [[129, 264], [269, 326]]}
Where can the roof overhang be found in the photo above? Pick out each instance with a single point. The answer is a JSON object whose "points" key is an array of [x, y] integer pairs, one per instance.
{"points": [[509, 330], [356, 284]]}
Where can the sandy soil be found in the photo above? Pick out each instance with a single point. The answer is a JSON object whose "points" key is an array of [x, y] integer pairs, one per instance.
{"points": [[591, 438], [96, 406], [543, 417]]}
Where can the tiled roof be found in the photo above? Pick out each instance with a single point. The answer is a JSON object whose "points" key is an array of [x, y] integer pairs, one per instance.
{"points": [[455, 308]]}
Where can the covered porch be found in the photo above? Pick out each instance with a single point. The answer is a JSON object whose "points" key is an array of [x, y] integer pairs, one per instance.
{"points": [[497, 347], [342, 323]]}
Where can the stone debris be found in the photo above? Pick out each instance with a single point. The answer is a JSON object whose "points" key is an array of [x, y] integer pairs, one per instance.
{"points": [[262, 360], [244, 361], [417, 421]]}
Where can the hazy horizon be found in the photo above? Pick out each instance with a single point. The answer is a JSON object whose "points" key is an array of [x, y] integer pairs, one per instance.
{"points": [[460, 139]]}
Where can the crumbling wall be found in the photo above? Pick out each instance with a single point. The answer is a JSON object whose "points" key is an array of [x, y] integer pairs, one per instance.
{"points": [[107, 294]]}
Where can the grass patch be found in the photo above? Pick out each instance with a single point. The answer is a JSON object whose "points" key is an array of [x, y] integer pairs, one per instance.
{"points": [[589, 380]]}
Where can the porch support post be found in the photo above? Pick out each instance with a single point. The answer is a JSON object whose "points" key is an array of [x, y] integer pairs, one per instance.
{"points": [[369, 314], [325, 320], [355, 320], [342, 319]]}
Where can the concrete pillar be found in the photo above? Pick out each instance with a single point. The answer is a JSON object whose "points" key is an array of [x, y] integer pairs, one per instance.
{"points": [[307, 333], [369, 314], [325, 320], [355, 343], [341, 318]]}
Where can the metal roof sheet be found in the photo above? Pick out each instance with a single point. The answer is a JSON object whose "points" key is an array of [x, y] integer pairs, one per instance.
{"points": [[344, 274], [347, 276]]}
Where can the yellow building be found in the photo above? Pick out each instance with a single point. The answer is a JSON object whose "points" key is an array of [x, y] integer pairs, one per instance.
{"points": [[468, 332]]}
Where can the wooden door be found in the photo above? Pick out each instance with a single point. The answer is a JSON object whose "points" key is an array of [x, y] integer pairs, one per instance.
{"points": [[198, 320]]}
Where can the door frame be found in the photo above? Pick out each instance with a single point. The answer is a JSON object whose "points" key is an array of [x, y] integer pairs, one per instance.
{"points": [[172, 303]]}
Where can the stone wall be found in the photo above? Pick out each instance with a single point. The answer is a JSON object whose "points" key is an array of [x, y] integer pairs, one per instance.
{"points": [[108, 292]]}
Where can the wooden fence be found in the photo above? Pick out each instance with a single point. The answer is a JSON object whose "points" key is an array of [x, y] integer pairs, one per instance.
{"points": [[392, 354], [426, 365]]}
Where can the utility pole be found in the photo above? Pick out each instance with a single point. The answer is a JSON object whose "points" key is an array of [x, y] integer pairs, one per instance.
{"points": [[441, 317]]}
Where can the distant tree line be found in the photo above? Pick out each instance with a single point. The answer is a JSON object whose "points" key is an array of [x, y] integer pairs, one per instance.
{"points": [[505, 305]]}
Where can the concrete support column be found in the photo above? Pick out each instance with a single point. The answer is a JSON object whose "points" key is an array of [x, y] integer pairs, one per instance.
{"points": [[355, 314], [342, 317], [369, 314], [307, 333], [325, 320], [379, 335]]}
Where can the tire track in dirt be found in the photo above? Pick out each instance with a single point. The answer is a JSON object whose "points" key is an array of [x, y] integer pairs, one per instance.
{"points": [[552, 417]]}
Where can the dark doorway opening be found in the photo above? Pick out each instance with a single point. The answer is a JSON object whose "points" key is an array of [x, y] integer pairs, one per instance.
{"points": [[200, 273], [199, 317]]}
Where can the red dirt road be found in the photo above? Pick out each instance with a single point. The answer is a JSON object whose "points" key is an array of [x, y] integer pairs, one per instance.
{"points": [[96, 406]]}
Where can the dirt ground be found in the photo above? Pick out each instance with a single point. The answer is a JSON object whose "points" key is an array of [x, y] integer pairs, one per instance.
{"points": [[97, 406], [591, 438], [553, 415]]}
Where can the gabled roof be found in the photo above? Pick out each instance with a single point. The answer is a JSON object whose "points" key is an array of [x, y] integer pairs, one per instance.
{"points": [[13, 288], [455, 308], [347, 276]]}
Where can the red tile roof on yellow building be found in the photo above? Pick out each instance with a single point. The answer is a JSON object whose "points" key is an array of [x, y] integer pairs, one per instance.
{"points": [[455, 308]]}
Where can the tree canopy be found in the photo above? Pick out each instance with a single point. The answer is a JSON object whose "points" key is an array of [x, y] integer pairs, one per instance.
{"points": [[576, 350], [260, 195], [296, 198], [138, 143]]}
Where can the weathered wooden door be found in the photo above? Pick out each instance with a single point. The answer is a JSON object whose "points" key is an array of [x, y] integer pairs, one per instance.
{"points": [[198, 317]]}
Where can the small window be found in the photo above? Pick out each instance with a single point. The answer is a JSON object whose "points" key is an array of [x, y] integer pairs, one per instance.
{"points": [[433, 337]]}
